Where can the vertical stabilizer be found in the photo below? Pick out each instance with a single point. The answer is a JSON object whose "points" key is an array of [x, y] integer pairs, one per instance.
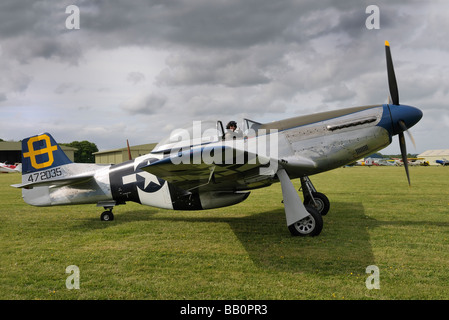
{"points": [[41, 152]]}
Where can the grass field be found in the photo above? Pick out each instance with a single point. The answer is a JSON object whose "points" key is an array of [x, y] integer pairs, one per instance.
{"points": [[239, 252]]}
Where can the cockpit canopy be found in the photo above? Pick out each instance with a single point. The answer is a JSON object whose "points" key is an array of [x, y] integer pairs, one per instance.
{"points": [[203, 132], [193, 134]]}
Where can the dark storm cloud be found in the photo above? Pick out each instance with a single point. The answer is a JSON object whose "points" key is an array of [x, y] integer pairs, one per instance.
{"points": [[22, 18], [198, 23], [33, 29], [37, 28], [229, 68], [202, 30], [225, 57]]}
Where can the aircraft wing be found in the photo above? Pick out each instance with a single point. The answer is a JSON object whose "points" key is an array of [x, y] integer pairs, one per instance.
{"points": [[197, 168]]}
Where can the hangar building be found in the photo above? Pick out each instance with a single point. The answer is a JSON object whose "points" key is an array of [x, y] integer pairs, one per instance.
{"points": [[433, 155], [115, 156]]}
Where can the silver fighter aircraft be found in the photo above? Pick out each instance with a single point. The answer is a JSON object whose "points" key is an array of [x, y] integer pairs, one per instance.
{"points": [[206, 166]]}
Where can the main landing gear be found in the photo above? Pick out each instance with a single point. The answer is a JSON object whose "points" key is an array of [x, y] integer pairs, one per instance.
{"points": [[313, 198], [302, 220], [317, 205]]}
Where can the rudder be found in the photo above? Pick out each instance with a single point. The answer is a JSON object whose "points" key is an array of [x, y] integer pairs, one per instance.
{"points": [[41, 152]]}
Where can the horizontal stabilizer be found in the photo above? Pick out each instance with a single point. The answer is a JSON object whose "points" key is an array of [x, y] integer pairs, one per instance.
{"points": [[55, 182]]}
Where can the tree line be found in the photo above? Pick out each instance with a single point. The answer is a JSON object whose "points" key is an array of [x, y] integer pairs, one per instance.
{"points": [[84, 152]]}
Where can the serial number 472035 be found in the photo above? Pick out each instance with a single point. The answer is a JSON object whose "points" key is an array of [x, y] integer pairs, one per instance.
{"points": [[45, 175]]}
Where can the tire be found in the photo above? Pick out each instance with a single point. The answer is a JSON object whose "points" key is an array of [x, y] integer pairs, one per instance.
{"points": [[107, 216], [309, 226], [323, 204]]}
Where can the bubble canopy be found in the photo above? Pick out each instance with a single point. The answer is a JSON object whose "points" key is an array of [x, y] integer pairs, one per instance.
{"points": [[193, 134]]}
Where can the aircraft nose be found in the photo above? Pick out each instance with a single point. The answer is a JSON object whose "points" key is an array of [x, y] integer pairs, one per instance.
{"points": [[404, 115]]}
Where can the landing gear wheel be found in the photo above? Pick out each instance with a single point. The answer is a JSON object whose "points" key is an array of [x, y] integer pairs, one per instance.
{"points": [[107, 216], [319, 202], [309, 226]]}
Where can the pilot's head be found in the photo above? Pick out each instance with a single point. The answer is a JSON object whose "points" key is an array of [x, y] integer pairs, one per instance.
{"points": [[231, 125]]}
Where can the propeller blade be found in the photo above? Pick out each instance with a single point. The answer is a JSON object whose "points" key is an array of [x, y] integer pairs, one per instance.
{"points": [[404, 128], [411, 138], [391, 76], [404, 154]]}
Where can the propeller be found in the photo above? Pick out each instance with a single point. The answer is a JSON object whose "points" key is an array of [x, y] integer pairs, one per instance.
{"points": [[394, 94]]}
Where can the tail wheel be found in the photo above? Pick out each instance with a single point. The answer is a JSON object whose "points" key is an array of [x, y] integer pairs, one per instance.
{"points": [[107, 216], [309, 226], [319, 202]]}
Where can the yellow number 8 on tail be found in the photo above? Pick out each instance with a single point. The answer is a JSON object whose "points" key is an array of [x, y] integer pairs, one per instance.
{"points": [[47, 150]]}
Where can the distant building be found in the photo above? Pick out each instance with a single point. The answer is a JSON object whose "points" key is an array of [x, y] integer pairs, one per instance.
{"points": [[433, 155], [11, 152], [115, 156], [375, 156]]}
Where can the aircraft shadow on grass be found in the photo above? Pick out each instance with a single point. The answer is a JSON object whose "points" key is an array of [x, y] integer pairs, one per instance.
{"points": [[343, 248]]}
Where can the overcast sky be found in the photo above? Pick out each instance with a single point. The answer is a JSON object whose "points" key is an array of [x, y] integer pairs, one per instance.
{"points": [[139, 69]]}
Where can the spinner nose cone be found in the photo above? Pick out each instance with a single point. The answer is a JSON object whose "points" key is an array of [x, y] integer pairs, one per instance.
{"points": [[404, 115]]}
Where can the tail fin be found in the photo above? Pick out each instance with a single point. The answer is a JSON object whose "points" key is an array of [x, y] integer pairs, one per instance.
{"points": [[41, 152], [44, 164]]}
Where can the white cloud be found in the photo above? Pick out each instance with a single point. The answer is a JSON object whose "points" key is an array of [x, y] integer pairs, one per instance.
{"points": [[135, 77], [145, 103]]}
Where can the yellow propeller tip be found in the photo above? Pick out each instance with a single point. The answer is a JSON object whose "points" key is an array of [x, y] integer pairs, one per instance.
{"points": [[387, 43]]}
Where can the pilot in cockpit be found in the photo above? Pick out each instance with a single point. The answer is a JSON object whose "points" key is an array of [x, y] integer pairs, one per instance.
{"points": [[232, 131]]}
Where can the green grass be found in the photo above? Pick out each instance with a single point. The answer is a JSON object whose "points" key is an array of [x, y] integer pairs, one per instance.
{"points": [[239, 252]]}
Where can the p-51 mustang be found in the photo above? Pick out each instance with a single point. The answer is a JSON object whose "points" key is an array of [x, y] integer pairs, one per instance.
{"points": [[217, 168]]}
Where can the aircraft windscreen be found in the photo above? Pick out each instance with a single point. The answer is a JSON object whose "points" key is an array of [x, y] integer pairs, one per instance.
{"points": [[195, 133]]}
